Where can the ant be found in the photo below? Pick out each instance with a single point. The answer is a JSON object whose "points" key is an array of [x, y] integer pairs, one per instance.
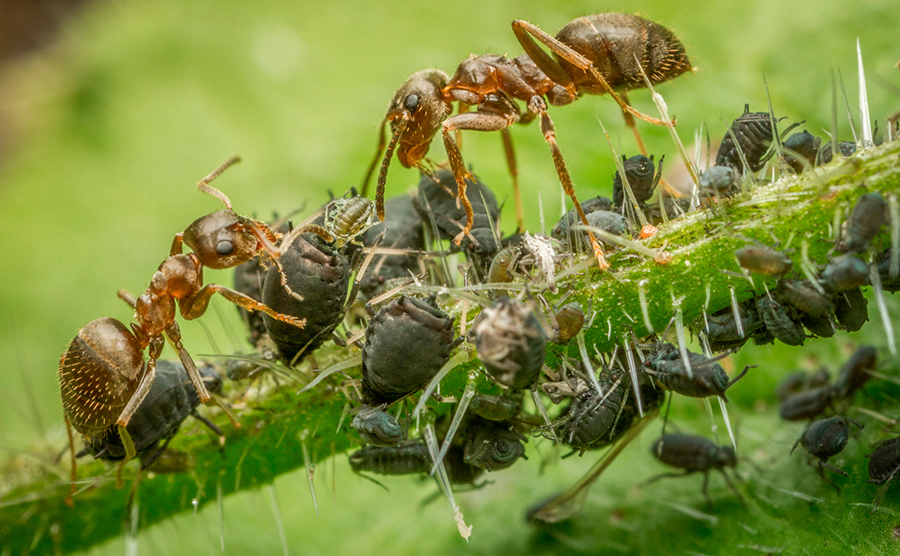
{"points": [[103, 375], [597, 54]]}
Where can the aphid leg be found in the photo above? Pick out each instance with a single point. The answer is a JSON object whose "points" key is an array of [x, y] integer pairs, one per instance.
{"points": [[731, 485], [525, 31], [514, 174], [738, 377], [820, 468], [673, 474], [211, 426], [74, 471]]}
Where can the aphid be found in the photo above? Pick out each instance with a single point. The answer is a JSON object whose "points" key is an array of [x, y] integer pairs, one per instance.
{"points": [[408, 459], [847, 149], [311, 285], [171, 399], [706, 377], [458, 471], [610, 222], [511, 342], [801, 381], [822, 327], [845, 273], [592, 416], [348, 218], [437, 202], [803, 296], [721, 181], [884, 462], [694, 454], [596, 54], [722, 330], [496, 408], [803, 144], [869, 214], [809, 404], [640, 173], [403, 229], [492, 445], [103, 376], [503, 263], [888, 282], [855, 372], [759, 259], [779, 322], [407, 343], [378, 427], [851, 309], [753, 133], [826, 438], [569, 321], [562, 231]]}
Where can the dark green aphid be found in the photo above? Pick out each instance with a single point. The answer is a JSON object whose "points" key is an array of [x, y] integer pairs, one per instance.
{"points": [[824, 439], [378, 427], [492, 445], [779, 322], [694, 454]]}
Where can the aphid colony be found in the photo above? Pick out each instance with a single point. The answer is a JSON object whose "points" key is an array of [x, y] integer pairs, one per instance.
{"points": [[385, 291]]}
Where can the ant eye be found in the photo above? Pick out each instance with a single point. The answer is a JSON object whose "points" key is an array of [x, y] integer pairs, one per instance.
{"points": [[224, 248], [411, 102]]}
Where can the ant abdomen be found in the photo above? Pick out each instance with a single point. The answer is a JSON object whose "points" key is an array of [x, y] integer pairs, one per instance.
{"points": [[98, 374]]}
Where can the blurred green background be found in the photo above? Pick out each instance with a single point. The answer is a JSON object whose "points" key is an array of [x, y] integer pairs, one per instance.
{"points": [[109, 127]]}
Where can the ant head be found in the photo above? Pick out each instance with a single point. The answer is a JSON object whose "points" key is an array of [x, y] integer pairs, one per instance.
{"points": [[223, 239], [416, 113]]}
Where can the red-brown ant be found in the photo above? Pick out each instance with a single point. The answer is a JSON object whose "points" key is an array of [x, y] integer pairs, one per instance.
{"points": [[597, 54], [103, 375]]}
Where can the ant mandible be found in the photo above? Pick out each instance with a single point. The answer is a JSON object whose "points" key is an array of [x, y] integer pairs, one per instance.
{"points": [[596, 54], [103, 376]]}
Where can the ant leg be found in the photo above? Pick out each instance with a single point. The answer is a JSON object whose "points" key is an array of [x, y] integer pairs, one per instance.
{"points": [[144, 385], [194, 306], [652, 480], [174, 335], [514, 173], [382, 141], [564, 178], [74, 474], [527, 32], [629, 123]]}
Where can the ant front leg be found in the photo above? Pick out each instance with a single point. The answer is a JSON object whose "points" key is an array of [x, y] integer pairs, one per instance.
{"points": [[194, 306], [527, 32], [514, 174], [174, 335], [537, 105]]}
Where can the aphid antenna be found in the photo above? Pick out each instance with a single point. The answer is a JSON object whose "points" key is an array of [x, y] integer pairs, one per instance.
{"points": [[461, 356], [461, 408], [354, 361], [878, 290], [586, 361], [670, 125], [635, 383], [276, 513], [864, 120], [894, 210], [635, 213], [430, 439], [849, 113]]}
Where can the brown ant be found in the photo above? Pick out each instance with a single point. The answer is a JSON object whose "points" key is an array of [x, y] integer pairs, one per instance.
{"points": [[103, 375], [597, 54]]}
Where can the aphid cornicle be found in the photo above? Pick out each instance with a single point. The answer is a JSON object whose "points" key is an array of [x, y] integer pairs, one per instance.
{"points": [[377, 427], [826, 438], [171, 399], [492, 445], [694, 454], [511, 342], [407, 343], [311, 285], [869, 214], [779, 322], [759, 259], [706, 377]]}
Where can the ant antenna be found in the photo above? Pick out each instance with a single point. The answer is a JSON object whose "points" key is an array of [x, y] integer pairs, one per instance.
{"points": [[204, 186]]}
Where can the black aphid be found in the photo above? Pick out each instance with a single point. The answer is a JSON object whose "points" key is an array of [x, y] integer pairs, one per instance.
{"points": [[804, 146], [851, 309], [706, 377], [378, 427], [753, 133], [409, 459], [801, 381], [869, 214], [845, 273], [642, 176], [492, 445], [826, 438], [780, 322], [694, 454]]}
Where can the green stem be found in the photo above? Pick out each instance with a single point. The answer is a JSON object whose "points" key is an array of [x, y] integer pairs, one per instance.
{"points": [[34, 517]]}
